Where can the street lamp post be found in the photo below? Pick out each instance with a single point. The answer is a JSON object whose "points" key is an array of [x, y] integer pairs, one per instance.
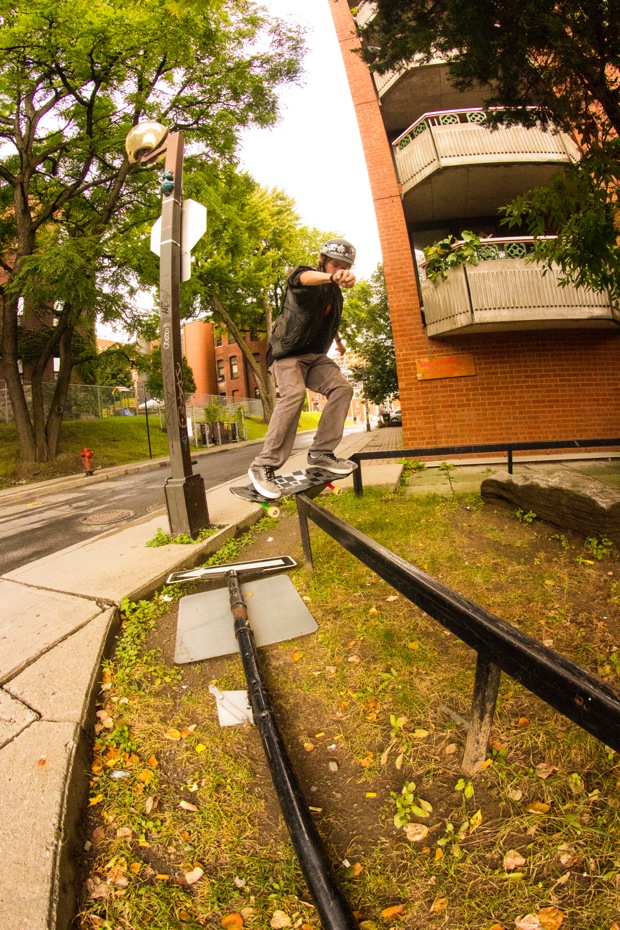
{"points": [[186, 499]]}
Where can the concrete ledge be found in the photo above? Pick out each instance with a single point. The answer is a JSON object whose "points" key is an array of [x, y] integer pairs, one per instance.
{"points": [[566, 500]]}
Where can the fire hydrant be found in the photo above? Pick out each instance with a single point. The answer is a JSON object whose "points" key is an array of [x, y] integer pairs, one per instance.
{"points": [[87, 455]]}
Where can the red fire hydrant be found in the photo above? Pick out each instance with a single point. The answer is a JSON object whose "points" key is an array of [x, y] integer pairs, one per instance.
{"points": [[87, 455]]}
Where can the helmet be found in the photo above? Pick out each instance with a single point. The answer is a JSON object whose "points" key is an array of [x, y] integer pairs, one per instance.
{"points": [[339, 249]]}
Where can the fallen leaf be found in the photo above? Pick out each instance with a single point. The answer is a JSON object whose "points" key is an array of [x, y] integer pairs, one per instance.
{"points": [[513, 860], [544, 769], [420, 734], [232, 921], [529, 922], [523, 722], [309, 747], [476, 820], [373, 611], [438, 854], [550, 917], [279, 920], [497, 927], [416, 832], [296, 656], [172, 733], [96, 800], [392, 597], [187, 806], [515, 794], [200, 747], [538, 807], [393, 911], [135, 867], [124, 831], [194, 876], [439, 905], [152, 761], [145, 776], [413, 645]]}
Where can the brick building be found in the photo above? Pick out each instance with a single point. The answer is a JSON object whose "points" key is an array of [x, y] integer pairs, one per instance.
{"points": [[497, 351], [218, 364]]}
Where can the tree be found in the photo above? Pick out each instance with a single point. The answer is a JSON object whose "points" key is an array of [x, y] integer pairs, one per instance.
{"points": [[253, 238], [74, 77], [155, 383], [368, 332], [553, 62]]}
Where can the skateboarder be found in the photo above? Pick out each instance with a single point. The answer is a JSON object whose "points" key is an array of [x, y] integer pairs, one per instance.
{"points": [[302, 335]]}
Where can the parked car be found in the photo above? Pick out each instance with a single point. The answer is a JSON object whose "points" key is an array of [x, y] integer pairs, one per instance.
{"points": [[396, 418]]}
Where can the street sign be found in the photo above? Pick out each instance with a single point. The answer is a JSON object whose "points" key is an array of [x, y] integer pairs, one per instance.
{"points": [[193, 226]]}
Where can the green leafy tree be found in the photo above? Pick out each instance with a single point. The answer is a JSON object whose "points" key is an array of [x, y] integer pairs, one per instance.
{"points": [[112, 367], [253, 238], [74, 77], [155, 383], [553, 62], [367, 329]]}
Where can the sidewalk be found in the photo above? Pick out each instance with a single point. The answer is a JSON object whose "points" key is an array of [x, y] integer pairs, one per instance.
{"points": [[58, 619]]}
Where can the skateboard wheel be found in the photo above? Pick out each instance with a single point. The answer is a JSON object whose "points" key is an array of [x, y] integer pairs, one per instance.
{"points": [[273, 511], [337, 490]]}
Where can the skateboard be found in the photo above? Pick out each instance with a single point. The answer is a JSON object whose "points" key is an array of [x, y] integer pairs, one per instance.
{"points": [[291, 483]]}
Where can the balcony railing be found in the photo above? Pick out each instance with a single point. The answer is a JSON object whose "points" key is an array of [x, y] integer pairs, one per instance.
{"points": [[462, 137], [366, 11], [508, 291]]}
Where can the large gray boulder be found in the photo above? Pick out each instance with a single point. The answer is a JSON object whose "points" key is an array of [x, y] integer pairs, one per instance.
{"points": [[566, 500]]}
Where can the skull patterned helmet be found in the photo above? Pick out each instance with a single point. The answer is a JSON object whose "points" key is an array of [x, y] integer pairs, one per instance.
{"points": [[340, 250]]}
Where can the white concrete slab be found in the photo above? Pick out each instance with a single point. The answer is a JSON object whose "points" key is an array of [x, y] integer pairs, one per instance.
{"points": [[33, 620], [34, 776], [14, 717], [59, 685]]}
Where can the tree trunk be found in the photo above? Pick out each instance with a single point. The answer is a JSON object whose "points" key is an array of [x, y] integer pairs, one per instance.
{"points": [[264, 386], [21, 414]]}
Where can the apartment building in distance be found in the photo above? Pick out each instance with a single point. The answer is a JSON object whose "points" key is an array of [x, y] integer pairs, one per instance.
{"points": [[218, 365], [498, 351]]}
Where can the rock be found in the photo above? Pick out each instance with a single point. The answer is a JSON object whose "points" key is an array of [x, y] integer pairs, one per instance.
{"points": [[566, 500]]}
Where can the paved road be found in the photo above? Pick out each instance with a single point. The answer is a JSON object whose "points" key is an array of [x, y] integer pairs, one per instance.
{"points": [[42, 523]]}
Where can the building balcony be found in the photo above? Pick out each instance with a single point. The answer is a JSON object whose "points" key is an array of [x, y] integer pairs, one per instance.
{"points": [[451, 164], [503, 293]]}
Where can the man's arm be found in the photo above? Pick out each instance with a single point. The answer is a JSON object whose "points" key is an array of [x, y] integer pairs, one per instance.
{"points": [[343, 277]]}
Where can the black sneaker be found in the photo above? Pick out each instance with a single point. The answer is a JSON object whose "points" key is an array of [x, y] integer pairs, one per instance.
{"points": [[328, 462], [263, 478]]}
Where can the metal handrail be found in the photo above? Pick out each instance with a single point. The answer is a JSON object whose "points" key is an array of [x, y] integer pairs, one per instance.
{"points": [[583, 698], [508, 447]]}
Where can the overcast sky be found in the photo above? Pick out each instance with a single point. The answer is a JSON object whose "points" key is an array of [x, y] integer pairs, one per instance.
{"points": [[314, 153]]}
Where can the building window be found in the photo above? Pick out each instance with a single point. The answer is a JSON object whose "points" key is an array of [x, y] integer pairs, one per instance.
{"points": [[218, 339], [234, 368], [254, 337], [231, 340], [220, 369]]}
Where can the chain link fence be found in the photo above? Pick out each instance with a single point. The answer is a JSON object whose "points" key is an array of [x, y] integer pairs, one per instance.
{"points": [[96, 401]]}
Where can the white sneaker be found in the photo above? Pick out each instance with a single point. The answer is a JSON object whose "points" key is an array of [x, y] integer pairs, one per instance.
{"points": [[328, 462], [263, 478]]}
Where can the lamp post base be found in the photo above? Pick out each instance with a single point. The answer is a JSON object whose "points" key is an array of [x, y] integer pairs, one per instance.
{"points": [[186, 501]]}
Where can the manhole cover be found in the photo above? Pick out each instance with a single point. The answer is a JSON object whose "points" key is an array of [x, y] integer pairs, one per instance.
{"points": [[107, 516]]}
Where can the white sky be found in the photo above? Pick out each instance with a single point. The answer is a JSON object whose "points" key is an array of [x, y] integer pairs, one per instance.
{"points": [[314, 153]]}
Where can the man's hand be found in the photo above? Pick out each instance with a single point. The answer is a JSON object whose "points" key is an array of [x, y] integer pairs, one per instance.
{"points": [[344, 278], [340, 344]]}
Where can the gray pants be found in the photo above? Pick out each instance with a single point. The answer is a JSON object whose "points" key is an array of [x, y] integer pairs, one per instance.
{"points": [[294, 376]]}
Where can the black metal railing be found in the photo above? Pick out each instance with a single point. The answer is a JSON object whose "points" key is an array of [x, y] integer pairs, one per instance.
{"points": [[582, 697], [507, 447]]}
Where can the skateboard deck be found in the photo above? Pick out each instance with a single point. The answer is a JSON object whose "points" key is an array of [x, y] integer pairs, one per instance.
{"points": [[290, 483]]}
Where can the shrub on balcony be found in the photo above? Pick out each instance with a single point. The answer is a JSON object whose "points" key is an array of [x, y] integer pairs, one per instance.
{"points": [[443, 255]]}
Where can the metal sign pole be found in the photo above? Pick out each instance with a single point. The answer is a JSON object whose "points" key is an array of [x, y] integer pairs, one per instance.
{"points": [[185, 492]]}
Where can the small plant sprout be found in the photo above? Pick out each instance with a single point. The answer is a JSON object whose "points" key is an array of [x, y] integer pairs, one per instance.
{"points": [[525, 516], [466, 786], [408, 805], [398, 741], [599, 549], [446, 469]]}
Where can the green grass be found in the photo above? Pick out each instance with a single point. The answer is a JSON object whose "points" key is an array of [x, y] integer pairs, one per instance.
{"points": [[370, 688], [114, 440]]}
